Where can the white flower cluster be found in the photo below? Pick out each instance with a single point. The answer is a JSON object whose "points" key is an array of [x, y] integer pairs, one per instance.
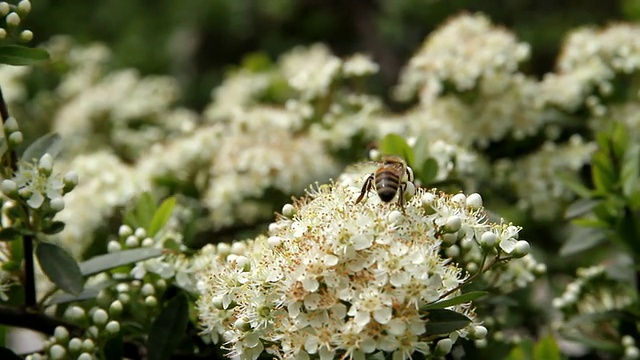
{"points": [[488, 52], [535, 177], [12, 17], [588, 64], [336, 278], [311, 71], [106, 183]]}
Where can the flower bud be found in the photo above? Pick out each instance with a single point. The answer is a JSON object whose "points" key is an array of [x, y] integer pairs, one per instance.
{"points": [[161, 285], [11, 124], [147, 289], [57, 204], [132, 241], [3, 35], [85, 356], [70, 181], [274, 241], [478, 332], [151, 301], [75, 313], [75, 344], [522, 248], [459, 199], [443, 347], [13, 19], [113, 246], [88, 345], [448, 239], [57, 351], [140, 233], [124, 231], [452, 224], [115, 309], [100, 317], [9, 188], [223, 248], [24, 7], [288, 210], [147, 242], [61, 334], [488, 240], [113, 327], [15, 138], [242, 325], [4, 8], [45, 165], [26, 35], [474, 201], [427, 201]]}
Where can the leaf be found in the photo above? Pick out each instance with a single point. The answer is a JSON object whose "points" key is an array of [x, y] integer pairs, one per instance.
{"points": [[442, 321], [50, 143], [421, 149], [109, 261], [9, 234], [6, 354], [428, 170], [461, 299], [582, 239], [580, 208], [86, 294], [54, 228], [603, 173], [394, 144], [22, 55], [546, 349], [161, 216], [145, 209], [168, 328], [60, 267], [575, 185], [630, 171]]}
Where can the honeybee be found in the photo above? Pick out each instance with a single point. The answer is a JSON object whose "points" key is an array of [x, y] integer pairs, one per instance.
{"points": [[391, 178]]}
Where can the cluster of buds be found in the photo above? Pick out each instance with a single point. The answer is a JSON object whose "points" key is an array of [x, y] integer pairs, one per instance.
{"points": [[10, 18]]}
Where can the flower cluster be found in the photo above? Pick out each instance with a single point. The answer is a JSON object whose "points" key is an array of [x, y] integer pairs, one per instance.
{"points": [[335, 278], [535, 177], [11, 17]]}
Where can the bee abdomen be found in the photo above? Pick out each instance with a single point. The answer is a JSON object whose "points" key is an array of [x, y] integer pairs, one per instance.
{"points": [[387, 185]]}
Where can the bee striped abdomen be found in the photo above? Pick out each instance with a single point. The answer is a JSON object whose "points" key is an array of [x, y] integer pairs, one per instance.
{"points": [[387, 183]]}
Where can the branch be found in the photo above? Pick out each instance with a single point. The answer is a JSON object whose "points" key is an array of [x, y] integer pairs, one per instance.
{"points": [[32, 320]]}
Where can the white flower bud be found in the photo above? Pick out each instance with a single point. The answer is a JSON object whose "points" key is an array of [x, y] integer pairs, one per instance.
{"points": [[15, 138], [521, 249], [540, 269], [488, 240], [223, 248], [443, 347], [26, 35], [151, 301], [85, 356], [74, 313], [57, 351], [238, 248], [474, 201], [161, 285], [410, 190], [24, 7], [70, 181], [140, 233], [75, 344], [13, 19], [45, 165], [88, 345], [478, 332], [395, 217], [288, 210], [628, 341], [242, 325], [132, 241], [124, 231], [147, 289], [459, 199], [427, 201], [274, 241], [57, 204], [217, 302], [115, 309], [243, 262], [472, 268], [448, 239], [9, 187], [3, 33], [452, 251], [100, 317], [631, 352], [123, 288], [452, 224], [124, 298], [4, 8], [374, 154], [11, 124], [112, 327], [61, 334], [113, 246], [147, 242], [481, 344]]}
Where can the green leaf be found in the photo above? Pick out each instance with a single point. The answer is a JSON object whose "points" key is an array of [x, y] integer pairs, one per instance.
{"points": [[168, 328], [593, 343], [60, 267], [109, 261], [461, 299], [603, 173], [86, 294], [443, 321], [21, 55], [54, 228], [394, 144], [145, 209], [582, 239], [6, 354], [630, 172], [590, 222], [428, 170], [575, 185], [580, 208], [546, 349], [50, 143], [9, 234], [421, 149], [161, 216]]}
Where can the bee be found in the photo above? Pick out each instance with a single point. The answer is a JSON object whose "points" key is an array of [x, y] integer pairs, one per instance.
{"points": [[391, 178]]}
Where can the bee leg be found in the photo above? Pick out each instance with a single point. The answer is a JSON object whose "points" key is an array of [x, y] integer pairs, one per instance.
{"points": [[401, 190], [365, 188]]}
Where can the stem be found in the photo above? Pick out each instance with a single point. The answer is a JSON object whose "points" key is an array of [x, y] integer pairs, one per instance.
{"points": [[27, 240], [35, 321], [482, 270]]}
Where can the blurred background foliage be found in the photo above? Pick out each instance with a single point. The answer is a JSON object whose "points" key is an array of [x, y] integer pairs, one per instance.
{"points": [[198, 41]]}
